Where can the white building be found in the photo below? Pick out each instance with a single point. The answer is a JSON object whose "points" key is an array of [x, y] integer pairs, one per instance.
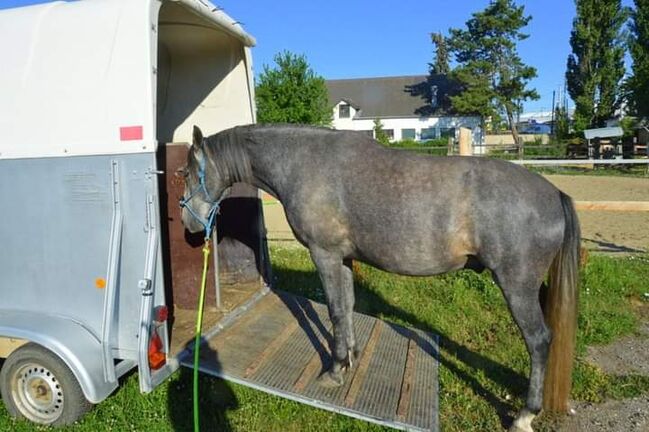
{"points": [[409, 107]]}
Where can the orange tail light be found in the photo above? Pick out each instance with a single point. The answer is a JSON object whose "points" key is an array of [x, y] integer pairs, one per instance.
{"points": [[157, 357]]}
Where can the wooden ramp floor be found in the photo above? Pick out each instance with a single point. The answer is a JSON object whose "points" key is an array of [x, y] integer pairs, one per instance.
{"points": [[281, 345]]}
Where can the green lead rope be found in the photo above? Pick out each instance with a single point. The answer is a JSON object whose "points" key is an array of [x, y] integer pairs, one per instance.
{"points": [[199, 326]]}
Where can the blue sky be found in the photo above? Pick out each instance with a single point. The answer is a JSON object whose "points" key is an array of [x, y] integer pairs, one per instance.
{"points": [[360, 38]]}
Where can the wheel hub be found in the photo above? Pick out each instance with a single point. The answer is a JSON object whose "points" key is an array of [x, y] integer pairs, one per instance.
{"points": [[37, 393]]}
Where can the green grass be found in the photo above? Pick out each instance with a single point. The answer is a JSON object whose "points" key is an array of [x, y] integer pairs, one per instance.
{"points": [[483, 362]]}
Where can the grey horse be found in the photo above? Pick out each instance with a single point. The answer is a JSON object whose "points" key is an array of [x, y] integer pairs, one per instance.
{"points": [[348, 198]]}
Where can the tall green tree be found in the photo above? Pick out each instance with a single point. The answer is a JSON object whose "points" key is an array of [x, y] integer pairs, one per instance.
{"points": [[292, 92], [440, 64], [494, 78], [638, 82], [595, 67]]}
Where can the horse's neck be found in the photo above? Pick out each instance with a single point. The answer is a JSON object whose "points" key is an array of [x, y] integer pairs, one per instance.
{"points": [[268, 172]]}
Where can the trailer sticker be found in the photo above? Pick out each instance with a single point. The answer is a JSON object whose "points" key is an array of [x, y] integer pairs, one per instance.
{"points": [[130, 133]]}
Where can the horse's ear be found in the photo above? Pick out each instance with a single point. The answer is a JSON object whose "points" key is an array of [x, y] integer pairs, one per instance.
{"points": [[198, 137]]}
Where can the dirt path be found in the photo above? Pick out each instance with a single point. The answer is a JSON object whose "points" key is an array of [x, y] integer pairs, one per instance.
{"points": [[628, 355], [609, 231]]}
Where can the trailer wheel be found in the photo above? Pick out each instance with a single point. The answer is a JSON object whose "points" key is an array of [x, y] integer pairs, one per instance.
{"points": [[38, 386]]}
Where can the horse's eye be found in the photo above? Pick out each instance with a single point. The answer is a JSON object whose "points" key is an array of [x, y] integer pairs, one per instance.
{"points": [[182, 172]]}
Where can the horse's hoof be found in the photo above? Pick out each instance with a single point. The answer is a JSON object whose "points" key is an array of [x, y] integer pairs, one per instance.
{"points": [[330, 380], [523, 423]]}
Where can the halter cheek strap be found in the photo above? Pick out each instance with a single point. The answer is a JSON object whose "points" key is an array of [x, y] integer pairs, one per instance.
{"points": [[208, 222]]}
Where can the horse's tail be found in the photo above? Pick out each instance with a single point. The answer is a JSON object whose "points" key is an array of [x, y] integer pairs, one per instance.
{"points": [[561, 312]]}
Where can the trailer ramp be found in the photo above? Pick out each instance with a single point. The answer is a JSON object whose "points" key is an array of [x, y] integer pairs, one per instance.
{"points": [[280, 345]]}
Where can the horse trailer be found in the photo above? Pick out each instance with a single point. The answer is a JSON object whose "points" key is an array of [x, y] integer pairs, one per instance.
{"points": [[99, 276]]}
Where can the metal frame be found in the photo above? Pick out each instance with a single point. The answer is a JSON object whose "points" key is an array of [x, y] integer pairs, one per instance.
{"points": [[113, 265]]}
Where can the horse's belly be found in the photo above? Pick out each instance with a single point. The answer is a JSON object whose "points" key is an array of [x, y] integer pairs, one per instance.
{"points": [[419, 264]]}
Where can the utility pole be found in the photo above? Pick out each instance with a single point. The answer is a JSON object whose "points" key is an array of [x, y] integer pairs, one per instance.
{"points": [[552, 129]]}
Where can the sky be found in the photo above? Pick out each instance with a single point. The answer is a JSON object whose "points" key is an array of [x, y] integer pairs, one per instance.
{"points": [[359, 38]]}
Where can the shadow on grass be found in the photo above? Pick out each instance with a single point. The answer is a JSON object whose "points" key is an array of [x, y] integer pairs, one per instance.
{"points": [[371, 303], [612, 247], [215, 396]]}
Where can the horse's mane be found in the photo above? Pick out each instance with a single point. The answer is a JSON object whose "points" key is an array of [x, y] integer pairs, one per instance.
{"points": [[230, 159]]}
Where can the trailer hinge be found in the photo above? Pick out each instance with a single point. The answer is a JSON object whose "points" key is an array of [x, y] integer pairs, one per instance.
{"points": [[150, 172], [146, 286]]}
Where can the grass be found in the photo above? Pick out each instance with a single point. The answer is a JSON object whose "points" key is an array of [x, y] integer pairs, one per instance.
{"points": [[483, 363]]}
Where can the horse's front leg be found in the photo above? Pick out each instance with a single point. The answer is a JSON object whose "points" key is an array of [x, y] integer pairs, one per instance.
{"points": [[333, 275], [348, 293]]}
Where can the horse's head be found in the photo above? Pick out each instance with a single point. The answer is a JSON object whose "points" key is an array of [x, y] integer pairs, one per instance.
{"points": [[204, 187]]}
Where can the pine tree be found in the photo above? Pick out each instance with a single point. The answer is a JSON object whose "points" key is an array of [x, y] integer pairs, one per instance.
{"points": [[638, 83], [292, 93], [493, 76], [596, 65], [440, 65]]}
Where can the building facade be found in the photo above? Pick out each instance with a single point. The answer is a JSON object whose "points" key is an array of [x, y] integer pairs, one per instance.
{"points": [[410, 107]]}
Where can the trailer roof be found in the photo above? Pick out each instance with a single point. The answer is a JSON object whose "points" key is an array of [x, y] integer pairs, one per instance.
{"points": [[79, 77]]}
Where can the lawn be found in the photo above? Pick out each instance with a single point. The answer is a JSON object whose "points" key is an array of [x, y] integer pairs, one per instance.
{"points": [[483, 364]]}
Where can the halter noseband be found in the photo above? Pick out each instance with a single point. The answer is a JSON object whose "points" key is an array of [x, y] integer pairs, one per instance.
{"points": [[207, 223]]}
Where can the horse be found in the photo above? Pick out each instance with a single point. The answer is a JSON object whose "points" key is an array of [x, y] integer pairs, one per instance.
{"points": [[347, 197]]}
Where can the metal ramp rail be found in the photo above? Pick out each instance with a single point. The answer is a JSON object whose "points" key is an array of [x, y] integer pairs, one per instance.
{"points": [[280, 345]]}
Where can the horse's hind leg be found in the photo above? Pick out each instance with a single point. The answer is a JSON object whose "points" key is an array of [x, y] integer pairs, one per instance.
{"points": [[521, 290], [335, 277]]}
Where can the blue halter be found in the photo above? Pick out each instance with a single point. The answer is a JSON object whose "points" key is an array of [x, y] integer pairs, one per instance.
{"points": [[208, 223]]}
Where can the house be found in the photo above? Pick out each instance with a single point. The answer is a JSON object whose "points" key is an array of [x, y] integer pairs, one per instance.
{"points": [[409, 107]]}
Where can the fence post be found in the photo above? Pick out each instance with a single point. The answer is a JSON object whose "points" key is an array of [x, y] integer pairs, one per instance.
{"points": [[449, 146], [465, 142]]}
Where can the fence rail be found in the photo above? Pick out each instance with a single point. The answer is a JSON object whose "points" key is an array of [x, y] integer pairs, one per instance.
{"points": [[558, 162]]}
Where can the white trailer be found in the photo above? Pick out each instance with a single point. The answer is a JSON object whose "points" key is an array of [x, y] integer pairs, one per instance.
{"points": [[90, 91]]}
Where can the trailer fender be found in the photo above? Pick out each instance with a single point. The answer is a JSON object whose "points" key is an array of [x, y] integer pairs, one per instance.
{"points": [[70, 340]]}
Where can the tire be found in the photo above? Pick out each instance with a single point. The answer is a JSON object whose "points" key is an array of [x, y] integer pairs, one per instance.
{"points": [[38, 386]]}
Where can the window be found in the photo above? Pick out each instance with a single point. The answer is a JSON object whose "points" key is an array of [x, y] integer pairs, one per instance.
{"points": [[343, 111], [446, 132], [389, 133], [369, 133], [408, 134], [428, 134]]}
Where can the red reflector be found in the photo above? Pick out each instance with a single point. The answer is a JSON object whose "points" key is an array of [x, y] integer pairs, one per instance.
{"points": [[161, 313], [157, 358], [130, 133]]}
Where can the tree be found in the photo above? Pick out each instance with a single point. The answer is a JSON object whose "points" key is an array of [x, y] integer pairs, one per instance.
{"points": [[638, 82], [292, 93], [493, 76], [561, 123], [379, 133], [440, 64], [596, 65]]}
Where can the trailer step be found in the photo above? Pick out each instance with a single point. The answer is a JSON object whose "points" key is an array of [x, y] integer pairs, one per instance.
{"points": [[281, 346]]}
